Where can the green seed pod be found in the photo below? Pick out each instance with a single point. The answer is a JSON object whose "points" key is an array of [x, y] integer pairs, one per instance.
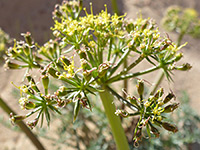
{"points": [[16, 118], [12, 53], [45, 81], [65, 61], [155, 131], [28, 38], [184, 67], [29, 105], [168, 98], [140, 87], [12, 65], [171, 107], [76, 109], [170, 127], [54, 73]]}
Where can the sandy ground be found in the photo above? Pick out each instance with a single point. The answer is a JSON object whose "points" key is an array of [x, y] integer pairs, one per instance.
{"points": [[183, 81]]}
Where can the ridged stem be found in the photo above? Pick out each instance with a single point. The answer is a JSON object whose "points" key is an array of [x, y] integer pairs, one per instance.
{"points": [[114, 120]]}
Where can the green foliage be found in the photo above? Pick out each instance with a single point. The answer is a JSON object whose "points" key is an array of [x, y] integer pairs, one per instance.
{"points": [[4, 41], [183, 21]]}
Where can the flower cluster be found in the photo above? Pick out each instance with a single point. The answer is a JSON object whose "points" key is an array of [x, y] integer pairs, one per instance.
{"points": [[183, 21], [86, 56], [152, 112]]}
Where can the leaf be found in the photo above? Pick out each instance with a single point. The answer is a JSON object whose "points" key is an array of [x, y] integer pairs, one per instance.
{"points": [[42, 119], [148, 130], [76, 109], [47, 115], [53, 108]]}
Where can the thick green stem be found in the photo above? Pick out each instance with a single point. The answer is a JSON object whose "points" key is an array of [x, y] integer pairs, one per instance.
{"points": [[114, 120], [23, 127]]}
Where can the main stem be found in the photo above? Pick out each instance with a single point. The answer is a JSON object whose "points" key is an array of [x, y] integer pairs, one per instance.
{"points": [[114, 120]]}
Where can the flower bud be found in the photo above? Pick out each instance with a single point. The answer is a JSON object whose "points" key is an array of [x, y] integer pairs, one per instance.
{"points": [[169, 127], [27, 37], [11, 65], [16, 118], [155, 131], [45, 81], [32, 123], [140, 87], [168, 98], [184, 67], [171, 107], [103, 68]]}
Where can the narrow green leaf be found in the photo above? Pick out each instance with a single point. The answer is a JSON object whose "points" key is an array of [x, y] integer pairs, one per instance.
{"points": [[148, 130], [76, 109], [47, 115]]}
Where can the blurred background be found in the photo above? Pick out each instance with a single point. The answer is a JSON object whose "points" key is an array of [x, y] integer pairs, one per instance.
{"points": [[35, 16]]}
